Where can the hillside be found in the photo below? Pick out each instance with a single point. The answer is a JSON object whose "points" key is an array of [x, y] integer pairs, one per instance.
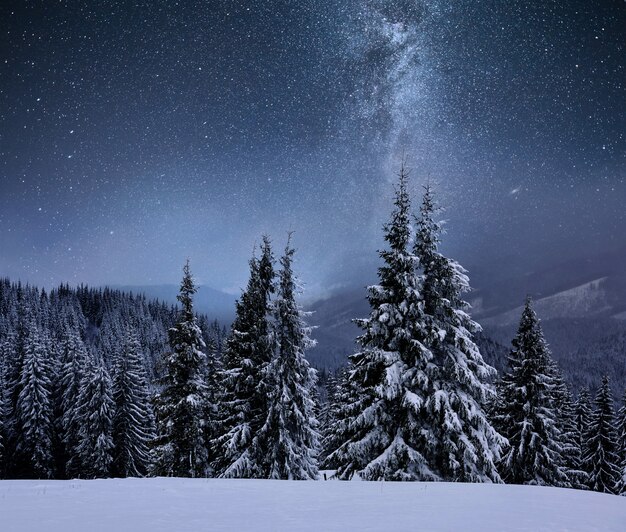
{"points": [[195, 505]]}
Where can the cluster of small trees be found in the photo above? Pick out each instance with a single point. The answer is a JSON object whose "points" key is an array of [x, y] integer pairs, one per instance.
{"points": [[76, 372], [84, 394], [554, 440]]}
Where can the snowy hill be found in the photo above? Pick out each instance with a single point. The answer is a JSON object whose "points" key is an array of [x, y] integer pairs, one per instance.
{"points": [[181, 505], [587, 300]]}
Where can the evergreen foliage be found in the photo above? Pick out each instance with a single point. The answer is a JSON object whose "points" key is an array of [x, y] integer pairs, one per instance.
{"points": [[133, 423], [464, 446], [95, 412], [602, 451], [386, 436], [34, 415], [621, 446], [183, 403], [243, 376], [74, 364], [527, 415], [289, 436]]}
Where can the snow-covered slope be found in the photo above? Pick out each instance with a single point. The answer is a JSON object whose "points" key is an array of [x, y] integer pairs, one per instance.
{"points": [[587, 300], [154, 505]]}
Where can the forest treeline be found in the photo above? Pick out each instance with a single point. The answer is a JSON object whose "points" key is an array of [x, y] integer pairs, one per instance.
{"points": [[98, 383]]}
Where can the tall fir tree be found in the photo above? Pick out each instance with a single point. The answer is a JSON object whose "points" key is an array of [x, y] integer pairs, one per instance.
{"points": [[602, 453], [182, 405], [464, 446], [95, 412], [133, 422], [621, 446], [4, 413], [243, 375], [571, 455], [34, 414], [289, 437], [74, 365], [528, 416], [339, 429], [386, 436], [583, 412]]}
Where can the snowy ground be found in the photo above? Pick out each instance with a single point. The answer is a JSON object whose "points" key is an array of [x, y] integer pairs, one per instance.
{"points": [[180, 505]]}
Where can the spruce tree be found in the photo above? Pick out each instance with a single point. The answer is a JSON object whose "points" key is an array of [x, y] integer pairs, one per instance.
{"points": [[386, 436], [602, 453], [621, 446], [571, 455], [289, 437], [74, 364], [243, 375], [528, 413], [584, 412], [4, 414], [339, 431], [133, 423], [182, 404], [464, 447], [95, 412], [34, 415]]}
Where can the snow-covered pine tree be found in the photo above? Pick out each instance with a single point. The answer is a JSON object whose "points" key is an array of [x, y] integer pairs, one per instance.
{"points": [[289, 438], [133, 422], [386, 436], [95, 414], [74, 365], [182, 404], [566, 421], [4, 412], [527, 415], [621, 446], [584, 412], [34, 415], [248, 351], [602, 457], [338, 432], [465, 446]]}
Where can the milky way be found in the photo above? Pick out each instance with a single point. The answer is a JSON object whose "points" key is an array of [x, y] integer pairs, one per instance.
{"points": [[136, 134]]}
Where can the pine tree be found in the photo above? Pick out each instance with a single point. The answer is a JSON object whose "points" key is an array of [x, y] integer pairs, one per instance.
{"points": [[133, 423], [386, 437], [95, 412], [243, 375], [583, 413], [602, 457], [182, 405], [34, 414], [465, 446], [339, 432], [571, 456], [4, 414], [289, 436], [621, 446], [74, 364], [528, 412]]}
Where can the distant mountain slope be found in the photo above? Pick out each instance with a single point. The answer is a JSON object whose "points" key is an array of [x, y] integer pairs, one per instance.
{"points": [[584, 323], [214, 303]]}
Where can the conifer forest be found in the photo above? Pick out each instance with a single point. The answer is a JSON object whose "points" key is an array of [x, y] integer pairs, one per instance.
{"points": [[98, 383]]}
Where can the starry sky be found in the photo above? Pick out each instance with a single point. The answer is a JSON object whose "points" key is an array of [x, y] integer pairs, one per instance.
{"points": [[136, 134]]}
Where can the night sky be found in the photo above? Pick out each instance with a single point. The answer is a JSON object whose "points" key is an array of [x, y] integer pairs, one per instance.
{"points": [[136, 134]]}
